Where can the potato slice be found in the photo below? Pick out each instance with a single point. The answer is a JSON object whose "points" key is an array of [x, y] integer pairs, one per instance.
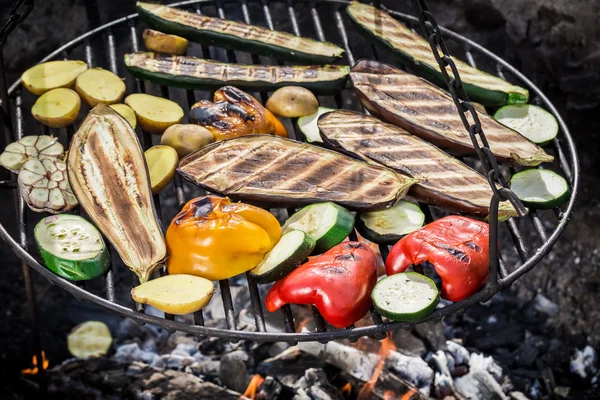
{"points": [[186, 138], [98, 85], [292, 102], [126, 112], [154, 114], [175, 294], [162, 162], [57, 108], [89, 339], [163, 43], [51, 75]]}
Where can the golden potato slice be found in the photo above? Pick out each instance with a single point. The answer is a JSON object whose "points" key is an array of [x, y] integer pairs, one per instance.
{"points": [[163, 43], [175, 294], [98, 85], [51, 75], [154, 114], [126, 112], [162, 162], [57, 108], [186, 138], [292, 102], [89, 339]]}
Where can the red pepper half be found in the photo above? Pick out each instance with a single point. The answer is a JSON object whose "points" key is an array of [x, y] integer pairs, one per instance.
{"points": [[338, 282], [456, 246]]}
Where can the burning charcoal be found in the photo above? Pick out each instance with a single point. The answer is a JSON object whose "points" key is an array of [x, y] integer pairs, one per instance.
{"points": [[319, 386], [517, 396], [479, 385], [130, 352], [210, 368], [583, 362], [412, 369], [544, 305], [158, 363], [187, 348], [443, 379], [177, 338], [490, 338], [234, 370], [460, 355], [269, 390], [301, 394], [433, 334], [531, 348], [407, 343], [478, 362], [174, 361], [562, 391]]}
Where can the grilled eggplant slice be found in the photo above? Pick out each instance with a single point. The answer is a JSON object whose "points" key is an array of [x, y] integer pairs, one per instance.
{"points": [[444, 181], [237, 36], [196, 73], [109, 177], [413, 51], [277, 171], [430, 113]]}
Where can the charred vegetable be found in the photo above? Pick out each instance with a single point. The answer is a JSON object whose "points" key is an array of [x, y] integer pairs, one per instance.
{"points": [[413, 51], [196, 73], [17, 153], [443, 180], [154, 114], [292, 102], [186, 138], [44, 185], [98, 85], [280, 171], [109, 177], [235, 113], [57, 108], [72, 247], [237, 36], [163, 43], [51, 75], [428, 112]]}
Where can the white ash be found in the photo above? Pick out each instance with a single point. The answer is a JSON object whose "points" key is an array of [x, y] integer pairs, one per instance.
{"points": [[458, 354], [478, 362], [583, 362], [412, 369], [444, 386]]}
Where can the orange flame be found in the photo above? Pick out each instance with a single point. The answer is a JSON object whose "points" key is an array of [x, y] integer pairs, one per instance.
{"points": [[408, 395], [34, 370], [389, 395], [387, 345], [347, 389], [254, 384]]}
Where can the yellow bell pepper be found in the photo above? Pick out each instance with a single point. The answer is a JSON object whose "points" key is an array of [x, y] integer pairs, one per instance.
{"points": [[216, 239]]}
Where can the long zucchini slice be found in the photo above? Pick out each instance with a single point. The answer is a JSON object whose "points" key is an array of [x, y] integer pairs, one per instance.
{"points": [[195, 73], [413, 51], [237, 36]]}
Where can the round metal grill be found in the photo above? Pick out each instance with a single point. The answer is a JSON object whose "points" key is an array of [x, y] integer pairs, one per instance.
{"points": [[324, 20]]}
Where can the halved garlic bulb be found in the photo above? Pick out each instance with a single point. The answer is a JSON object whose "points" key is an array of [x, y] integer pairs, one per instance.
{"points": [[17, 153], [44, 185]]}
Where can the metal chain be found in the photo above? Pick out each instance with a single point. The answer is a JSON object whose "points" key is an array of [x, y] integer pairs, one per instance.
{"points": [[18, 13], [465, 108]]}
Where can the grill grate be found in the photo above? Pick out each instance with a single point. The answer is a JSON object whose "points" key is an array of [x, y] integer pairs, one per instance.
{"points": [[330, 11]]}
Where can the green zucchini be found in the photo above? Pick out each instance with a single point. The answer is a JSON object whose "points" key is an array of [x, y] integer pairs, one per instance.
{"points": [[308, 125], [390, 225], [533, 122], [327, 223], [412, 50], [71, 247], [237, 36], [405, 297], [196, 73], [290, 252], [540, 188]]}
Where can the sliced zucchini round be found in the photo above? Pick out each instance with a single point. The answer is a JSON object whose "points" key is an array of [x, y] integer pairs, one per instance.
{"points": [[533, 122], [72, 247], [290, 252], [327, 223], [390, 225], [308, 125], [405, 297], [540, 188]]}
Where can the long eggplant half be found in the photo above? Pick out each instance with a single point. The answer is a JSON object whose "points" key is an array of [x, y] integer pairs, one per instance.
{"points": [[276, 171], [196, 73], [237, 36], [443, 181], [413, 51], [108, 175], [430, 113]]}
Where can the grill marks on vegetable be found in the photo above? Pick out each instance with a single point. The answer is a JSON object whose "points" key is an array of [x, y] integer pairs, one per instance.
{"points": [[428, 112], [267, 168], [443, 180]]}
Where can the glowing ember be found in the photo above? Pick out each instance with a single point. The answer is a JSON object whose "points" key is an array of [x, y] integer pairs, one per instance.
{"points": [[254, 384], [389, 395], [387, 345], [347, 389], [408, 395], [34, 370]]}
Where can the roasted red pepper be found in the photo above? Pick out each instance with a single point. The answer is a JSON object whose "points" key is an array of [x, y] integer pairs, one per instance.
{"points": [[338, 282], [456, 246]]}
